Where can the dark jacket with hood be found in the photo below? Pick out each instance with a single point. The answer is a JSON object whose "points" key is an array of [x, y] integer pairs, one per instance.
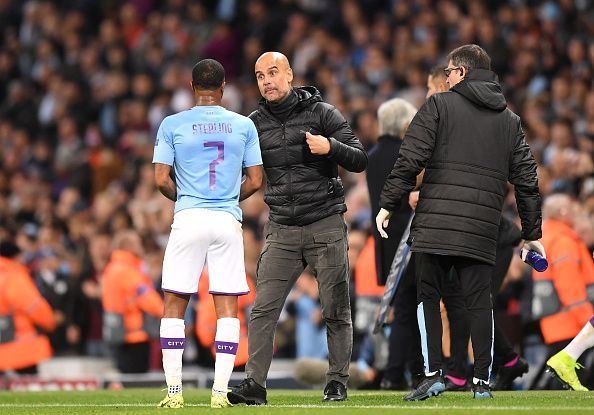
{"points": [[471, 145], [302, 188]]}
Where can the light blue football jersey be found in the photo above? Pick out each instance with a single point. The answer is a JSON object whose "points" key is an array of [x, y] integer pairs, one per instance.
{"points": [[208, 146]]}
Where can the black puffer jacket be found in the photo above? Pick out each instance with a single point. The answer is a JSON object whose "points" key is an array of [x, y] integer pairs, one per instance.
{"points": [[471, 145], [302, 188]]}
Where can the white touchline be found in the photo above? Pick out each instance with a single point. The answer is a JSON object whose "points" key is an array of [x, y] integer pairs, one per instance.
{"points": [[339, 406]]}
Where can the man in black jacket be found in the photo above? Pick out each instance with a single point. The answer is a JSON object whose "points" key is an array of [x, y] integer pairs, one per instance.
{"points": [[512, 365], [470, 145], [393, 118], [404, 344], [303, 141]]}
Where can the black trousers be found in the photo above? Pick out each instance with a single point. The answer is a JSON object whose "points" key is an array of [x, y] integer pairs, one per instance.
{"points": [[475, 282], [132, 357], [29, 370], [454, 302], [405, 342]]}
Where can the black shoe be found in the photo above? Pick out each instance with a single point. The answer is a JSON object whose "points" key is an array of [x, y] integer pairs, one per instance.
{"points": [[504, 380], [247, 392], [335, 391], [481, 390], [416, 379], [430, 386], [390, 385], [452, 387]]}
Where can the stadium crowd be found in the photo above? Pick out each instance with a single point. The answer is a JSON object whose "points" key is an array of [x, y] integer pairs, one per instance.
{"points": [[85, 85]]}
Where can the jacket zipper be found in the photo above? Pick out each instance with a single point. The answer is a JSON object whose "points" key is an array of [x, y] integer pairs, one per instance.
{"points": [[291, 196]]}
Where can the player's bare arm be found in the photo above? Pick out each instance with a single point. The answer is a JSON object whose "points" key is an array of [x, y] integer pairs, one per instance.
{"points": [[164, 182], [253, 181]]}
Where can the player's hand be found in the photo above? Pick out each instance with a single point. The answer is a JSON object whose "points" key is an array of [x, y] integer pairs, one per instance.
{"points": [[381, 221], [318, 144], [413, 199], [535, 246]]}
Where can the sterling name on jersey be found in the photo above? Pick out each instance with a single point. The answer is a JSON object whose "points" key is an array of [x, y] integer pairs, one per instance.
{"points": [[208, 146]]}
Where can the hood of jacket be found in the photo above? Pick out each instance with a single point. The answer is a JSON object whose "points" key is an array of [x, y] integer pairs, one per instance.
{"points": [[481, 87]]}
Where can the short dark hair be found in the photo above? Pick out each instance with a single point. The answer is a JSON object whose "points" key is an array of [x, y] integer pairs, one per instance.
{"points": [[438, 72], [208, 74], [9, 250], [471, 57]]}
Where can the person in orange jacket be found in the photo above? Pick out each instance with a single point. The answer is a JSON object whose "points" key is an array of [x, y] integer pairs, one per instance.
{"points": [[132, 306], [22, 311], [561, 292], [366, 282], [206, 318]]}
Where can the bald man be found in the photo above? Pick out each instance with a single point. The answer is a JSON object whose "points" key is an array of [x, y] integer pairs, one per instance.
{"points": [[303, 141], [562, 295]]}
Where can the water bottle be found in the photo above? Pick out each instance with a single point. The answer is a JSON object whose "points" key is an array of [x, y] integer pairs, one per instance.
{"points": [[535, 260]]}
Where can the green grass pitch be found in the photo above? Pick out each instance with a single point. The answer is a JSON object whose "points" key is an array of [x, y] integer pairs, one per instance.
{"points": [[143, 401]]}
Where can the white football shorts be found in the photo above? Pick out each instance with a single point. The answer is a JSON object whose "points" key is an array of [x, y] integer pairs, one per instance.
{"points": [[199, 237]]}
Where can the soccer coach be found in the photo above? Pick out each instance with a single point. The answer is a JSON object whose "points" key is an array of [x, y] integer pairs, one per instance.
{"points": [[470, 145], [303, 141]]}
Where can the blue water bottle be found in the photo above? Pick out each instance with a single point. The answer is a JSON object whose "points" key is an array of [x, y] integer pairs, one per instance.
{"points": [[535, 260]]}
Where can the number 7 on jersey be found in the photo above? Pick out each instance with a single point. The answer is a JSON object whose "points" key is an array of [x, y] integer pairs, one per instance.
{"points": [[220, 145]]}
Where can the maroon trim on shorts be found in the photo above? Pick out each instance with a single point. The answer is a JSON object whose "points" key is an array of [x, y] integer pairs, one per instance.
{"points": [[176, 292], [233, 294]]}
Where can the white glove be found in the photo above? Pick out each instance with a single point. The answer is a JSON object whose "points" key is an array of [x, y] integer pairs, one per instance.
{"points": [[533, 246], [381, 221]]}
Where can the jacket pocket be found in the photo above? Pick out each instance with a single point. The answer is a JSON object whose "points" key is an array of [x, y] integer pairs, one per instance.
{"points": [[7, 329], [264, 249], [545, 300], [114, 332]]}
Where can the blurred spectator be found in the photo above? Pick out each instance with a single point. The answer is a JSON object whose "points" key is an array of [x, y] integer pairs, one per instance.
{"points": [[132, 307], [55, 270], [368, 293], [562, 297], [22, 311], [310, 330], [95, 262]]}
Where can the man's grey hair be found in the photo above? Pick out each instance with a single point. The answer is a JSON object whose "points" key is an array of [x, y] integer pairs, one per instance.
{"points": [[556, 206], [394, 116], [124, 240]]}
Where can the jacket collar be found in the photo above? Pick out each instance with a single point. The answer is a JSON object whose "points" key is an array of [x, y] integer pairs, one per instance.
{"points": [[12, 264], [556, 227], [481, 75], [5, 262], [306, 95], [126, 257]]}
